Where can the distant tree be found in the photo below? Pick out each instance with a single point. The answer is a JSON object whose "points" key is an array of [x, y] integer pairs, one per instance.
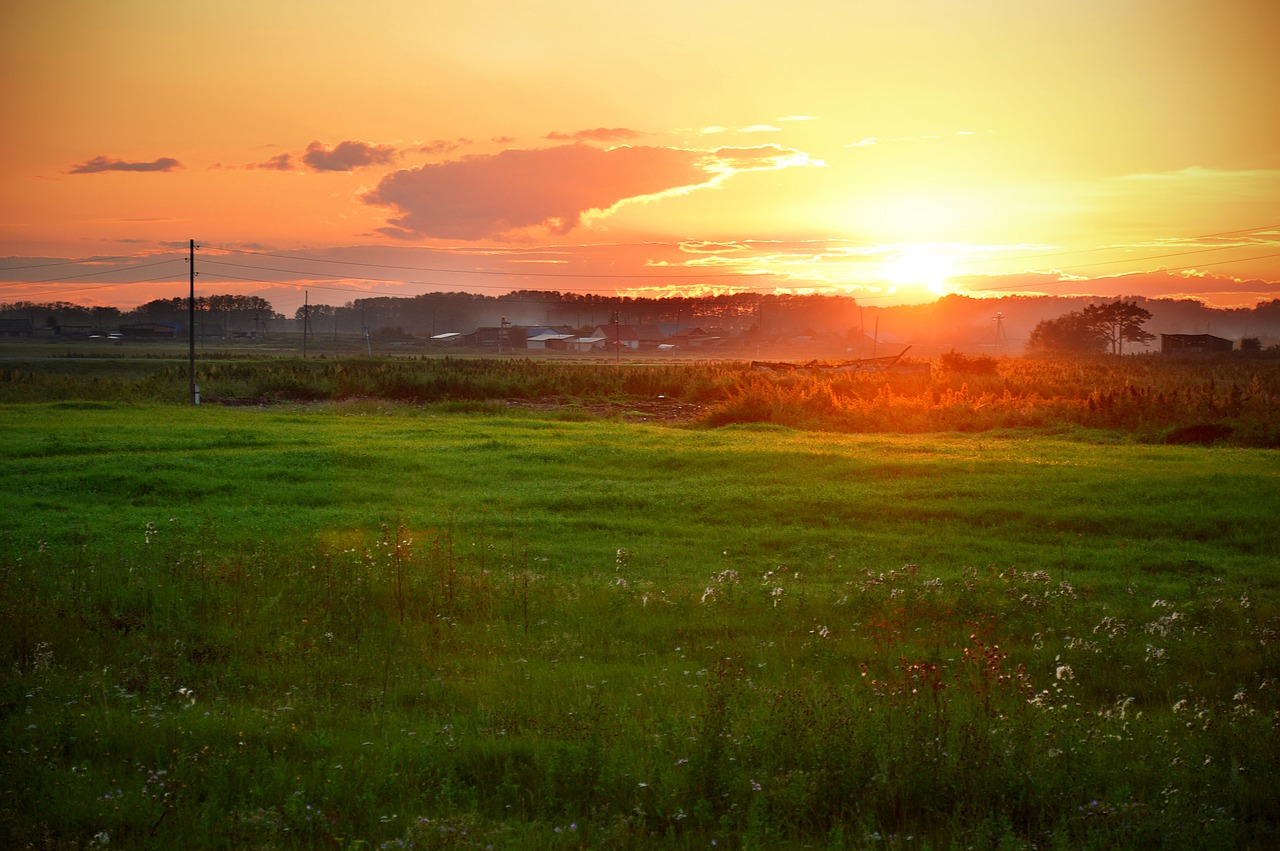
{"points": [[1072, 333], [1095, 329], [1250, 344], [253, 304], [1118, 323], [314, 312]]}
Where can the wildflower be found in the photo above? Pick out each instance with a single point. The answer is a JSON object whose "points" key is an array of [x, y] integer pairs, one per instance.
{"points": [[755, 787], [710, 592], [1065, 673]]}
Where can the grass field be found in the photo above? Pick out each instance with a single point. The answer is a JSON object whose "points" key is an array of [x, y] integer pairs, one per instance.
{"points": [[362, 624]]}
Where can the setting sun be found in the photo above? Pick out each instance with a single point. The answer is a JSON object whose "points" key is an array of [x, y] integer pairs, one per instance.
{"points": [[919, 266]]}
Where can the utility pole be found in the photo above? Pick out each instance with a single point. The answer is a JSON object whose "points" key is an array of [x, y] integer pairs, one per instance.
{"points": [[306, 296], [191, 322]]}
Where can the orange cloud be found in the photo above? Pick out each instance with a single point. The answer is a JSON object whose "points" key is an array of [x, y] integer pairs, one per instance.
{"points": [[100, 164], [347, 156], [599, 134], [488, 195], [280, 162]]}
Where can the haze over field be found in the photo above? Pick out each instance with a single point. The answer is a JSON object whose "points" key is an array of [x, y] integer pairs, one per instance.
{"points": [[894, 152]]}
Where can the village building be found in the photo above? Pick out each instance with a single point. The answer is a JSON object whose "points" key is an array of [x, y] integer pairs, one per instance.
{"points": [[16, 328], [1192, 344], [630, 336], [149, 331]]}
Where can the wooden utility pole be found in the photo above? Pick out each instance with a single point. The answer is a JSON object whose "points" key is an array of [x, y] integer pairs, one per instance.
{"points": [[191, 322]]}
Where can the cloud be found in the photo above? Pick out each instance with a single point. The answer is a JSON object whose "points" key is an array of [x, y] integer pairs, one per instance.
{"points": [[599, 134], [98, 165], [698, 246], [759, 128], [347, 156], [280, 162], [440, 146], [761, 158], [488, 195]]}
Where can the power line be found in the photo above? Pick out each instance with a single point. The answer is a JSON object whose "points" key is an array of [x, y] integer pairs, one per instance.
{"points": [[369, 294], [1131, 274], [98, 286], [68, 262], [101, 272], [659, 276], [1157, 257]]}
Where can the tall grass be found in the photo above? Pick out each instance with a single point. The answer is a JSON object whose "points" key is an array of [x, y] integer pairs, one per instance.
{"points": [[1234, 400], [402, 687]]}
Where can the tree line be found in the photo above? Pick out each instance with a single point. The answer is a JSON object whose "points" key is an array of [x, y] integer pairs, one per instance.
{"points": [[1004, 324]]}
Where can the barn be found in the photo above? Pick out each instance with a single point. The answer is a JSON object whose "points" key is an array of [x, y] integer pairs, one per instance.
{"points": [[1192, 344]]}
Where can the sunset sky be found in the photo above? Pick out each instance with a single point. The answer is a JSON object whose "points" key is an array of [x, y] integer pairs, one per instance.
{"points": [[893, 150]]}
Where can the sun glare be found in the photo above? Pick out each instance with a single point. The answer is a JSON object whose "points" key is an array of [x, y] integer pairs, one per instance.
{"points": [[919, 266]]}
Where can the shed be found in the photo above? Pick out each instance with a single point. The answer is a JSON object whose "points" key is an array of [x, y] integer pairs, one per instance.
{"points": [[549, 341], [16, 328], [150, 331], [1192, 344]]}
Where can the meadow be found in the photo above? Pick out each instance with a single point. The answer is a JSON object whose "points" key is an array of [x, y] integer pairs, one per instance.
{"points": [[360, 622], [1233, 400]]}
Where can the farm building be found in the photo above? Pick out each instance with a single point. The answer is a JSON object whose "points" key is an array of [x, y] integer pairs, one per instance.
{"points": [[585, 344], [500, 337], [150, 331], [1192, 344], [550, 341], [15, 328], [693, 338], [630, 336]]}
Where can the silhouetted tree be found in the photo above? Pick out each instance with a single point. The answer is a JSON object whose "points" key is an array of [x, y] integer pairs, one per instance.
{"points": [[1094, 329], [1119, 322], [1072, 333]]}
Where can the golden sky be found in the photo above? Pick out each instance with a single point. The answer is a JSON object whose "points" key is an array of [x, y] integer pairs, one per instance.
{"points": [[891, 149]]}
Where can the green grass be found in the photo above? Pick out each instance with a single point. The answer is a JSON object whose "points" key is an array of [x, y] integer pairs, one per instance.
{"points": [[363, 624], [576, 491]]}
